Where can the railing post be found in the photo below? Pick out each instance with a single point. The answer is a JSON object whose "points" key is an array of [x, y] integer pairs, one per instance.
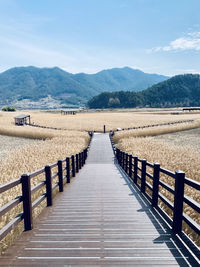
{"points": [[48, 185], [126, 162], [135, 169], [178, 202], [68, 169], [77, 162], [130, 166], [156, 177], [73, 166], [60, 176], [27, 205], [143, 176], [123, 160]]}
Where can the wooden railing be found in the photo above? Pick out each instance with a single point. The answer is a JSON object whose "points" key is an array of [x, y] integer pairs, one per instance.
{"points": [[55, 175], [140, 170], [154, 125]]}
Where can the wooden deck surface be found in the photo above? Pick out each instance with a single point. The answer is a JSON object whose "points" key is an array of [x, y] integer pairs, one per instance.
{"points": [[99, 220]]}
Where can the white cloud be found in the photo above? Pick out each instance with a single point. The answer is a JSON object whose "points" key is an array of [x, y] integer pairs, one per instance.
{"points": [[189, 42]]}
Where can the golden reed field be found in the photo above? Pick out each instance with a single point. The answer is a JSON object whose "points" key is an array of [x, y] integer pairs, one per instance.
{"points": [[51, 145], [113, 120]]}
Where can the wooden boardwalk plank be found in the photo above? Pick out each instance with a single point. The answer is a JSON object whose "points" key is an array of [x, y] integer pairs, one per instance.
{"points": [[99, 220]]}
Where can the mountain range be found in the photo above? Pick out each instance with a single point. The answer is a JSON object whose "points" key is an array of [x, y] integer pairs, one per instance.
{"points": [[31, 87]]}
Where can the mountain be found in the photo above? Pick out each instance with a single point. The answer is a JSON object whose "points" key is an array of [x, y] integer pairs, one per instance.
{"points": [[31, 84], [119, 79], [180, 90]]}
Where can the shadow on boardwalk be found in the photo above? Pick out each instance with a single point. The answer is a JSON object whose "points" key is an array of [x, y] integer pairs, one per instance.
{"points": [[177, 248]]}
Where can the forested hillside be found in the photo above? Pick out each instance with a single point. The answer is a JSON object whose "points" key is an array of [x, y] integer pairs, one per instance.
{"points": [[180, 90]]}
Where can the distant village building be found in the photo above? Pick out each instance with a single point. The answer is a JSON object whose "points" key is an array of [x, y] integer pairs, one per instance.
{"points": [[22, 119], [68, 112]]}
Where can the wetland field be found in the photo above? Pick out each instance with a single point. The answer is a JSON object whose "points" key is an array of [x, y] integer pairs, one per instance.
{"points": [[26, 148]]}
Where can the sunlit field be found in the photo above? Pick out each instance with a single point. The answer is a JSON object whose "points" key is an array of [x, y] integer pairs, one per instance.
{"points": [[51, 145], [93, 121]]}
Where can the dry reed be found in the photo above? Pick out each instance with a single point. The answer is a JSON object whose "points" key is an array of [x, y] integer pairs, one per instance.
{"points": [[95, 121], [153, 131]]}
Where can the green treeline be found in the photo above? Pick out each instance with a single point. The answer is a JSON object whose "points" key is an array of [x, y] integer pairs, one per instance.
{"points": [[180, 90]]}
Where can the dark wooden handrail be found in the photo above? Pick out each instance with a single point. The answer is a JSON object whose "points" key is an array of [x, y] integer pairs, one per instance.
{"points": [[131, 168], [65, 169]]}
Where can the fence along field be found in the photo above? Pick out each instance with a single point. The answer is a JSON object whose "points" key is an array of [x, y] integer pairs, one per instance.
{"points": [[31, 196], [64, 141], [171, 157], [150, 185], [52, 146]]}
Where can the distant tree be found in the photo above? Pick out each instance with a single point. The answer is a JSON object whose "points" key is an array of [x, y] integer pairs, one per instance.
{"points": [[8, 108], [114, 102]]}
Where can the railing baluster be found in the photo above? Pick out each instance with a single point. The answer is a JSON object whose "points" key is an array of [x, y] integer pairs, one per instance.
{"points": [[73, 166], [60, 176], [156, 176], [123, 160], [135, 169], [143, 176], [48, 185], [126, 162], [68, 169], [178, 202], [77, 162], [27, 205], [82, 159], [130, 166]]}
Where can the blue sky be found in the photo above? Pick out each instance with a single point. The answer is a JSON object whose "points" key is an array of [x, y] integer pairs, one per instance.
{"points": [[156, 36]]}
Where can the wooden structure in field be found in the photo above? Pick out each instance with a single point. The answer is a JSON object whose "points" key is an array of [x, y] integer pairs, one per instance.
{"points": [[68, 112], [22, 119]]}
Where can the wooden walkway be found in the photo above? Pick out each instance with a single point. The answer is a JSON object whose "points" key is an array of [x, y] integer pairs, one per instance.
{"points": [[99, 220]]}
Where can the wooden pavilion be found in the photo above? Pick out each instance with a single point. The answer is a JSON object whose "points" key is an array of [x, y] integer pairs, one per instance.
{"points": [[22, 119]]}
